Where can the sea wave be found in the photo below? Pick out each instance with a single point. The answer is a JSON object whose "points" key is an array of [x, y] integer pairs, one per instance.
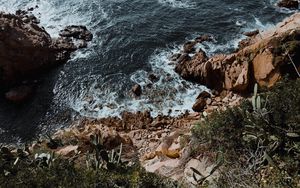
{"points": [[188, 4], [55, 15]]}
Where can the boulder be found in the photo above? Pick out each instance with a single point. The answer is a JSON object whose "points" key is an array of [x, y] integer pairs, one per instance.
{"points": [[189, 47], [204, 38], [204, 94], [137, 90], [204, 167], [153, 78], [251, 33], [199, 105]]}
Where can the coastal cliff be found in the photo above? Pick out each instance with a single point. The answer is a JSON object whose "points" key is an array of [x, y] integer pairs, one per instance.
{"points": [[192, 148], [263, 58], [27, 51]]}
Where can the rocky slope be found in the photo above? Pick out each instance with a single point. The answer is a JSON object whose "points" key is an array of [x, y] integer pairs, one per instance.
{"points": [[27, 50]]}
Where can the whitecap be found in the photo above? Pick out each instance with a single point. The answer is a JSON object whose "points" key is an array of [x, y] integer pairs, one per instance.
{"points": [[188, 4], [55, 15]]}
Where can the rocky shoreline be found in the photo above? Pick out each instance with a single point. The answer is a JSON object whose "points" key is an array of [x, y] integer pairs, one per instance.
{"points": [[158, 143], [27, 51], [162, 144]]}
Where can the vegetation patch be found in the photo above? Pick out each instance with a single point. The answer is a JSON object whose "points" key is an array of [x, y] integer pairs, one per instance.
{"points": [[259, 140]]}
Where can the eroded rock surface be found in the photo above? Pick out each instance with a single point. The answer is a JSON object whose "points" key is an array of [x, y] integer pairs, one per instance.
{"points": [[264, 58]]}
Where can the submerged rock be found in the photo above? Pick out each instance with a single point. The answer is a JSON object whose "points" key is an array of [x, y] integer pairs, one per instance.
{"points": [[19, 94], [137, 90]]}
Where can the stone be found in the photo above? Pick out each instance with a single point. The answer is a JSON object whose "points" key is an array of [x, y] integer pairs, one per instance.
{"points": [[204, 38], [199, 105], [137, 90], [208, 101], [202, 166], [265, 72], [153, 78], [204, 94], [77, 32], [251, 33], [67, 151], [291, 4], [189, 46]]}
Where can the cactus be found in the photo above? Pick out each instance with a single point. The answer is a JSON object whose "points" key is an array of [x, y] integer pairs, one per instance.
{"points": [[256, 99], [101, 157]]}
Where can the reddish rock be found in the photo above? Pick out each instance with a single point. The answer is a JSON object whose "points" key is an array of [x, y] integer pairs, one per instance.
{"points": [[199, 105], [204, 38], [27, 50], [204, 94], [183, 57], [190, 68], [189, 47], [261, 59]]}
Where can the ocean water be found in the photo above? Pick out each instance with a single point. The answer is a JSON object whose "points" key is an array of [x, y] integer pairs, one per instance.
{"points": [[132, 39]]}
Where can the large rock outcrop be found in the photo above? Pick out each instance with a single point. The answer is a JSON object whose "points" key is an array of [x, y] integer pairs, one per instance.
{"points": [[264, 59], [27, 50]]}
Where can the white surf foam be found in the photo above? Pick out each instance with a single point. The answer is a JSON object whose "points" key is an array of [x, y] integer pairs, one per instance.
{"points": [[188, 4], [170, 95], [55, 15]]}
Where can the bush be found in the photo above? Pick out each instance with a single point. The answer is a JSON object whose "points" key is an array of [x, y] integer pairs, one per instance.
{"points": [[63, 173], [264, 141]]}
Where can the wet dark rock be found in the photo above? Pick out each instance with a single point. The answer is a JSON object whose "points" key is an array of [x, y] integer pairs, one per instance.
{"points": [[204, 95], [204, 38], [137, 90], [291, 4], [199, 105], [153, 78], [189, 47], [77, 32], [251, 33]]}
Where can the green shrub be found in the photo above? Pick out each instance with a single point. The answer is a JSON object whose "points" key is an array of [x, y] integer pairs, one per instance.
{"points": [[272, 132]]}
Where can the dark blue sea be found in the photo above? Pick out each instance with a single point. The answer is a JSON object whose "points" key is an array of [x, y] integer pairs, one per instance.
{"points": [[132, 39]]}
